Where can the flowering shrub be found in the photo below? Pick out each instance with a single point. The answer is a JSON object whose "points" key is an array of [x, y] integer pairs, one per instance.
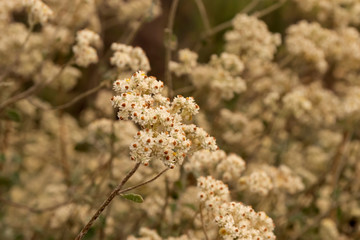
{"points": [[252, 133]]}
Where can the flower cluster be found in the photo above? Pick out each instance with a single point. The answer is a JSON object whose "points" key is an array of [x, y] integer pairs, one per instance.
{"points": [[85, 54], [251, 39], [188, 61], [39, 11], [312, 105], [267, 178], [221, 74], [238, 221], [225, 167], [322, 49], [163, 135], [340, 12], [102, 131], [129, 58], [234, 220], [148, 234], [136, 9], [212, 192]]}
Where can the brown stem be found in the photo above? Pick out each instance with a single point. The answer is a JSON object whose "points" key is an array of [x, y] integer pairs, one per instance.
{"points": [[169, 35], [203, 15], [268, 10], [202, 223], [31, 90], [113, 194], [166, 204], [32, 209], [142, 184], [81, 96], [65, 165], [228, 24], [250, 6]]}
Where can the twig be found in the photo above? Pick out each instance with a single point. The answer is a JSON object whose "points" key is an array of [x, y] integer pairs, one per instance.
{"points": [[203, 15], [338, 163], [142, 184], [113, 194], [81, 96], [228, 24], [250, 6], [219, 28], [163, 211], [32, 209], [268, 10], [202, 223], [169, 34], [64, 162], [130, 37], [32, 90]]}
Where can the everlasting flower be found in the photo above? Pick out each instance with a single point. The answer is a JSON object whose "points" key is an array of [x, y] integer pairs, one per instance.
{"points": [[312, 105], [129, 58], [251, 39], [212, 192], [131, 11], [39, 11], [221, 74], [339, 12], [85, 54], [217, 164], [258, 182], [234, 220], [237, 221], [163, 134], [188, 61]]}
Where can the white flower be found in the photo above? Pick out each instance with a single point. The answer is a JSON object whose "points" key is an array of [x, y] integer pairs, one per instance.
{"points": [[163, 136], [85, 54]]}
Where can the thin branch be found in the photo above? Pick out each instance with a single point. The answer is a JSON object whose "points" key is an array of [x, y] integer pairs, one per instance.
{"points": [[112, 195], [168, 40], [203, 14], [166, 204], [81, 96], [33, 209], [32, 90], [64, 162], [202, 223], [142, 184], [220, 27], [223, 26], [250, 6], [268, 10], [130, 37]]}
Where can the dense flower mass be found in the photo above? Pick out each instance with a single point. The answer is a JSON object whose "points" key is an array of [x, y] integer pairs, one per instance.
{"points": [[276, 83], [253, 41], [234, 220], [221, 75], [163, 134]]}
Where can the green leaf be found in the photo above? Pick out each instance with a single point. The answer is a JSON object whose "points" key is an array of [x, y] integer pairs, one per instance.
{"points": [[13, 115], [133, 197]]}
